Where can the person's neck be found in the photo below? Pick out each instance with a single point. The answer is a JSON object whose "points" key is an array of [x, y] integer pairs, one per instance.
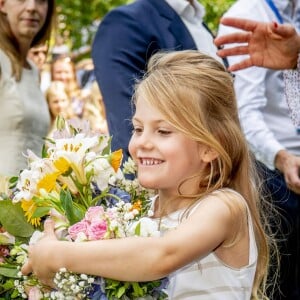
{"points": [[24, 46]]}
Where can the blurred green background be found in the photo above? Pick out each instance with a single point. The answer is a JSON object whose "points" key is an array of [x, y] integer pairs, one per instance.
{"points": [[78, 19]]}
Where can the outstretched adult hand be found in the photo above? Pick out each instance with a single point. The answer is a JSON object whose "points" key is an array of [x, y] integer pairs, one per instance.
{"points": [[268, 45], [40, 256]]}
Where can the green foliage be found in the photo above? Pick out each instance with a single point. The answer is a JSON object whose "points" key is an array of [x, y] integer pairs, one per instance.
{"points": [[214, 11], [13, 220], [78, 20]]}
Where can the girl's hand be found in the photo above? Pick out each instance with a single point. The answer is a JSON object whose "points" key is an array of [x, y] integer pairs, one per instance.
{"points": [[41, 260]]}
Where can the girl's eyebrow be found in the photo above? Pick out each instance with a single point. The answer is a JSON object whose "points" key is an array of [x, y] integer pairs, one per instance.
{"points": [[134, 118]]}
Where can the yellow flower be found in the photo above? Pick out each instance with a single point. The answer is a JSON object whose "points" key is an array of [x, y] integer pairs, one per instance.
{"points": [[116, 159], [137, 205], [29, 208], [62, 165], [48, 182]]}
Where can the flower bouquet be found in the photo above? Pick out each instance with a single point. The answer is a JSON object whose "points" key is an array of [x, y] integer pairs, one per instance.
{"points": [[80, 185]]}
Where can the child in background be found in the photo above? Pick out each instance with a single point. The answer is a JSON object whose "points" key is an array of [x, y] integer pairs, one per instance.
{"points": [[188, 145], [59, 103]]}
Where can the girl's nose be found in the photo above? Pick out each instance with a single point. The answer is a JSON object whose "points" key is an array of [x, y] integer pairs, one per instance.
{"points": [[145, 140]]}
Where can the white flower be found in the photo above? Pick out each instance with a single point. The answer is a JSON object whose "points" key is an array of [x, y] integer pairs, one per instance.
{"points": [[81, 237], [102, 171], [148, 228]]}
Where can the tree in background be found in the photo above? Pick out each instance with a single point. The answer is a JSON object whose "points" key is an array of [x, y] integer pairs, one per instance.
{"points": [[79, 19]]}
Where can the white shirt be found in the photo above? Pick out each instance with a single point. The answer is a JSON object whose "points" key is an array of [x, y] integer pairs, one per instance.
{"points": [[263, 109], [192, 17]]}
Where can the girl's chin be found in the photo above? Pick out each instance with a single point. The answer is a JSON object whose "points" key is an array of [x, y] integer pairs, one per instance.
{"points": [[148, 183]]}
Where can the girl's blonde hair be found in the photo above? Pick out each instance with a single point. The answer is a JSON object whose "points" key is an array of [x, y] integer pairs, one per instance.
{"points": [[10, 45], [196, 95], [57, 88]]}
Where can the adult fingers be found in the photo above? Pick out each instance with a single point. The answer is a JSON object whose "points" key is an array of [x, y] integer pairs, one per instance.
{"points": [[244, 24], [238, 50], [237, 37]]}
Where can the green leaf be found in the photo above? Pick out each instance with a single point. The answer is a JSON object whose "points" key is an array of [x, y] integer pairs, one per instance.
{"points": [[137, 290], [8, 284], [121, 291], [9, 272], [137, 230], [73, 213], [41, 212], [13, 219]]}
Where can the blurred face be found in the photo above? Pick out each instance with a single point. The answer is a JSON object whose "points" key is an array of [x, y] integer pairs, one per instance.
{"points": [[38, 55], [58, 104], [26, 17], [164, 156], [62, 70]]}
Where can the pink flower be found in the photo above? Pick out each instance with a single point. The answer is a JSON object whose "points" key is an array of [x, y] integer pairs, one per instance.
{"points": [[79, 227], [97, 230], [34, 293], [94, 213], [4, 251]]}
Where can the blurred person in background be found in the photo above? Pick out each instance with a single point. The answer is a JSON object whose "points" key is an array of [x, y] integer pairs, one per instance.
{"points": [[60, 48], [97, 117], [63, 69], [59, 103], [38, 55], [84, 104], [24, 119]]}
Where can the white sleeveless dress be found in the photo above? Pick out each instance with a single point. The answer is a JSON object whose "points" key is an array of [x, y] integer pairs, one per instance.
{"points": [[209, 278], [24, 117]]}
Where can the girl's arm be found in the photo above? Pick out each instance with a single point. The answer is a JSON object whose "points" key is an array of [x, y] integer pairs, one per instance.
{"points": [[137, 258]]}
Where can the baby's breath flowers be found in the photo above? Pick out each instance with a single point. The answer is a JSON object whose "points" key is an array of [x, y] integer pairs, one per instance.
{"points": [[70, 285]]}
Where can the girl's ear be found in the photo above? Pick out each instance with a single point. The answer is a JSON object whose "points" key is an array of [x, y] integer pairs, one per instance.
{"points": [[208, 154]]}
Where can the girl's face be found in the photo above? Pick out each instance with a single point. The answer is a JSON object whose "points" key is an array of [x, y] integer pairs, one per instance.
{"points": [[58, 104], [164, 156], [26, 17], [63, 71]]}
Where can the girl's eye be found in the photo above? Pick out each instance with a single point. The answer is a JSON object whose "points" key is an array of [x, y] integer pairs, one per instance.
{"points": [[164, 132], [137, 130]]}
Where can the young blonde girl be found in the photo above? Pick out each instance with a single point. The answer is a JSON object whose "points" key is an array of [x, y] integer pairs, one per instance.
{"points": [[59, 103], [188, 145]]}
